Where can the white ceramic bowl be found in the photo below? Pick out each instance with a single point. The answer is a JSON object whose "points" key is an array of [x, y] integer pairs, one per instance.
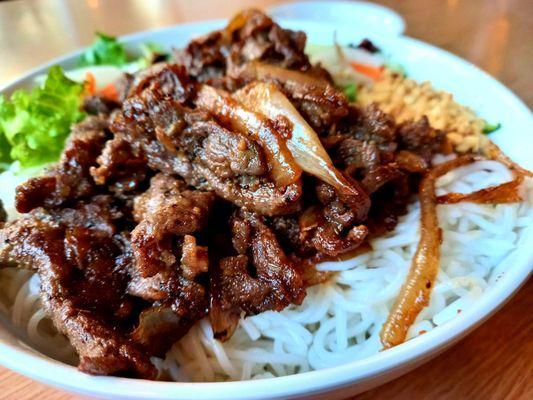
{"points": [[366, 16], [472, 87]]}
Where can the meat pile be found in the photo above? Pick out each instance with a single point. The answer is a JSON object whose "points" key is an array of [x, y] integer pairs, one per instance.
{"points": [[180, 201]]}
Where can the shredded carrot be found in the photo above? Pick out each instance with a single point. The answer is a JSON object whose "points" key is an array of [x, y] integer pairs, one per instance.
{"points": [[90, 83], [110, 92], [368, 70]]}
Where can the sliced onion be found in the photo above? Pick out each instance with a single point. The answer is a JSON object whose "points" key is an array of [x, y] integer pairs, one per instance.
{"points": [[415, 292], [293, 81], [284, 170], [493, 152], [505, 193], [302, 141]]}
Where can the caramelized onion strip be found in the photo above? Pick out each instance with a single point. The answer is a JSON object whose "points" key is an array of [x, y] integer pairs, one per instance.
{"points": [[493, 152], [293, 81], [415, 292], [504, 193], [284, 170], [302, 141]]}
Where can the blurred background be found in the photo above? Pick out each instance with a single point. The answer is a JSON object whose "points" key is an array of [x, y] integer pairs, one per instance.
{"points": [[496, 35]]}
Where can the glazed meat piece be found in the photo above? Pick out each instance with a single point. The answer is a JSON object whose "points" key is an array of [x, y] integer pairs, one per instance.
{"points": [[168, 210], [388, 159], [225, 153], [256, 37], [75, 252], [178, 298], [97, 104], [371, 125], [358, 154], [287, 230], [239, 116], [249, 36], [331, 228], [260, 278], [380, 175], [392, 186], [123, 86], [166, 262], [328, 226], [176, 139], [331, 243], [368, 137], [205, 58], [168, 80], [103, 104], [253, 189], [420, 139], [321, 107], [367, 140], [120, 167], [70, 179], [252, 47]]}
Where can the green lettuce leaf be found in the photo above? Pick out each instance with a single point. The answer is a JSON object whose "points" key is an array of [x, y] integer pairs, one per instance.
{"points": [[34, 125], [106, 50]]}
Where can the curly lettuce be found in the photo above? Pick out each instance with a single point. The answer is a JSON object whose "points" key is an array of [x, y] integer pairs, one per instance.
{"points": [[107, 50], [34, 125]]}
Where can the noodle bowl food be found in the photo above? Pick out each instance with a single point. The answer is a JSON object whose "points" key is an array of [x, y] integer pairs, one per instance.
{"points": [[246, 207]]}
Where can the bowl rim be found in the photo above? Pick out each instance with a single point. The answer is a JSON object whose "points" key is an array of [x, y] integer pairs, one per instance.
{"points": [[390, 22], [41, 368]]}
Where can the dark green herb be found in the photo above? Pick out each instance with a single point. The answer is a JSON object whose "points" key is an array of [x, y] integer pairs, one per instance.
{"points": [[489, 128], [351, 92]]}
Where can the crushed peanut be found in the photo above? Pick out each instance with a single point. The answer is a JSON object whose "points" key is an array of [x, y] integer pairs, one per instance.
{"points": [[406, 99]]}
